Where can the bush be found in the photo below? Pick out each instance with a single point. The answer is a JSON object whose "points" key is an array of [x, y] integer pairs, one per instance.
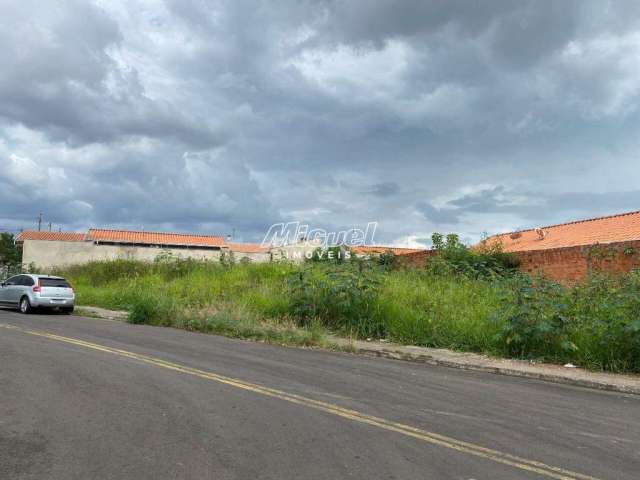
{"points": [[536, 319], [340, 298], [487, 261], [151, 309], [606, 328], [595, 323]]}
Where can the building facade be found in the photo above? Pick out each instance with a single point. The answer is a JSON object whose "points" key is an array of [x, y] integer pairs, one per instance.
{"points": [[46, 250]]}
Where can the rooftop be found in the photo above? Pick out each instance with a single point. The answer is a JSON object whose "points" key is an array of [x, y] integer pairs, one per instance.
{"points": [[60, 236], [623, 227], [154, 238], [248, 248]]}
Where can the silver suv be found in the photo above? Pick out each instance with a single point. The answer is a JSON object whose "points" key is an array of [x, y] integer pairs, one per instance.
{"points": [[29, 291]]}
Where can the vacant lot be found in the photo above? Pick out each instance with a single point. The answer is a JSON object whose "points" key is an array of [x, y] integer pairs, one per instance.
{"points": [[595, 324]]}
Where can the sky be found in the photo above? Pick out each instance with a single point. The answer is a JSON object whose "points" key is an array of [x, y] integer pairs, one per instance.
{"points": [[228, 116]]}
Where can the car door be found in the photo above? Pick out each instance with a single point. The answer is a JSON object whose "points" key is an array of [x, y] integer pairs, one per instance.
{"points": [[24, 285], [10, 290], [3, 291]]}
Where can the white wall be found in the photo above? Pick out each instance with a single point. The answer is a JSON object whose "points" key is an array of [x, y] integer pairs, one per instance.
{"points": [[45, 254], [253, 257]]}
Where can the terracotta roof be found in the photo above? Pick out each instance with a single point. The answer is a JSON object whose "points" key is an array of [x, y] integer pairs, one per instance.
{"points": [[248, 248], [615, 228], [61, 236], [155, 238], [379, 249]]}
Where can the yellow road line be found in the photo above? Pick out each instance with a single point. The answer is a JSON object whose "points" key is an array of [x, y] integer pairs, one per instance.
{"points": [[533, 466]]}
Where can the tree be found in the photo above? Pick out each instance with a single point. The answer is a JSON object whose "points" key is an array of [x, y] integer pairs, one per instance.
{"points": [[10, 254]]}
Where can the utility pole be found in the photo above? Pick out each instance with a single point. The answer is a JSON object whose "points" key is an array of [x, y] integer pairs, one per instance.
{"points": [[40, 221]]}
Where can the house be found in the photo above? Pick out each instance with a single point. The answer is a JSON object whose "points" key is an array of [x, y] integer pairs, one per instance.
{"points": [[55, 249], [570, 251]]}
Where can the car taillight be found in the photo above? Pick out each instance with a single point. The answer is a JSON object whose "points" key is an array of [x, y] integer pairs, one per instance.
{"points": [[36, 288]]}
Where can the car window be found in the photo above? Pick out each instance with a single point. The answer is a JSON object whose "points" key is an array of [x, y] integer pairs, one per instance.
{"points": [[53, 282], [13, 280], [27, 281]]}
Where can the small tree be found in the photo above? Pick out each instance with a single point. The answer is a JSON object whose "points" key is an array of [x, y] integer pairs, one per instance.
{"points": [[484, 261], [10, 254]]}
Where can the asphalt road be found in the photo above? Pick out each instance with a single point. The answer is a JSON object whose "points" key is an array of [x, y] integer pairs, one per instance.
{"points": [[93, 399]]}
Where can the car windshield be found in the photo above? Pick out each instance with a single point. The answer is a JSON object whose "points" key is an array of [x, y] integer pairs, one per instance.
{"points": [[54, 282]]}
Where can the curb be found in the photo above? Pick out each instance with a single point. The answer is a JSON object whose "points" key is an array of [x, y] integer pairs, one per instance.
{"points": [[611, 382], [512, 372]]}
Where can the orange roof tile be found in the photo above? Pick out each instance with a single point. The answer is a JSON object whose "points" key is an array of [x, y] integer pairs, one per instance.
{"points": [[60, 236], [379, 249], [247, 248], [155, 238], [611, 229]]}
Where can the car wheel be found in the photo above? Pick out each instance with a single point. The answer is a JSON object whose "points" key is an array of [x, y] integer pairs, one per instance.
{"points": [[25, 305]]}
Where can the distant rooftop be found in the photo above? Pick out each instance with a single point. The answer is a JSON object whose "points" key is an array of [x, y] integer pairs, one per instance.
{"points": [[247, 248], [379, 249], [126, 236], [154, 238], [43, 235], [601, 230]]}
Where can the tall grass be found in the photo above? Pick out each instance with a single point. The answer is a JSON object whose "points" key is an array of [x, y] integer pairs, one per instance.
{"points": [[595, 324]]}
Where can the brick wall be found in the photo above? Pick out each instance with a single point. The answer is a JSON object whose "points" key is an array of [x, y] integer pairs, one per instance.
{"points": [[416, 259], [571, 264], [567, 264]]}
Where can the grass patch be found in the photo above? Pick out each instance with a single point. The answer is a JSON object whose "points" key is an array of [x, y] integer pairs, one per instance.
{"points": [[474, 306]]}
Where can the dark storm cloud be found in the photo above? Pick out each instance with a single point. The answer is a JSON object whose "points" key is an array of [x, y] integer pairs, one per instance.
{"points": [[421, 115], [439, 215], [63, 81], [533, 207]]}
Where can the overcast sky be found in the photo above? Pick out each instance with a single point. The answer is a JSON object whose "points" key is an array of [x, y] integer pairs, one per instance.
{"points": [[208, 116]]}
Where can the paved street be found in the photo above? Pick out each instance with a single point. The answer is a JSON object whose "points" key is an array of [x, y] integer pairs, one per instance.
{"points": [[94, 399]]}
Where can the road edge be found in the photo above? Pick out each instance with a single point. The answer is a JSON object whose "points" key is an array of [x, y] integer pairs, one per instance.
{"points": [[621, 383], [626, 384]]}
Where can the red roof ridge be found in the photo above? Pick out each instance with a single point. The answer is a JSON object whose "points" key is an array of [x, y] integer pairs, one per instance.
{"points": [[151, 232], [47, 235], [586, 220]]}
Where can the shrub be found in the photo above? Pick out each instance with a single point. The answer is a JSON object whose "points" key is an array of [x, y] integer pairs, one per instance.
{"points": [[340, 298], [606, 312], [151, 309], [486, 261], [536, 318]]}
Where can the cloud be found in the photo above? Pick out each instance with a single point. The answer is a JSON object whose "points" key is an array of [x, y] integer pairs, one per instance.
{"points": [[64, 79], [438, 215], [384, 189], [421, 115]]}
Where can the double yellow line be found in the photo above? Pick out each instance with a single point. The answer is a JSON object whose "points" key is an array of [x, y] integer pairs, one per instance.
{"points": [[520, 463]]}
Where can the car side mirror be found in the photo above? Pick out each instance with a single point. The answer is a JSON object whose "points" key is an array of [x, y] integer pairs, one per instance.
{"points": [[2, 284]]}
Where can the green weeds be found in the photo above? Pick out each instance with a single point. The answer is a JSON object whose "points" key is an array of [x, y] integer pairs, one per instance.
{"points": [[461, 301]]}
